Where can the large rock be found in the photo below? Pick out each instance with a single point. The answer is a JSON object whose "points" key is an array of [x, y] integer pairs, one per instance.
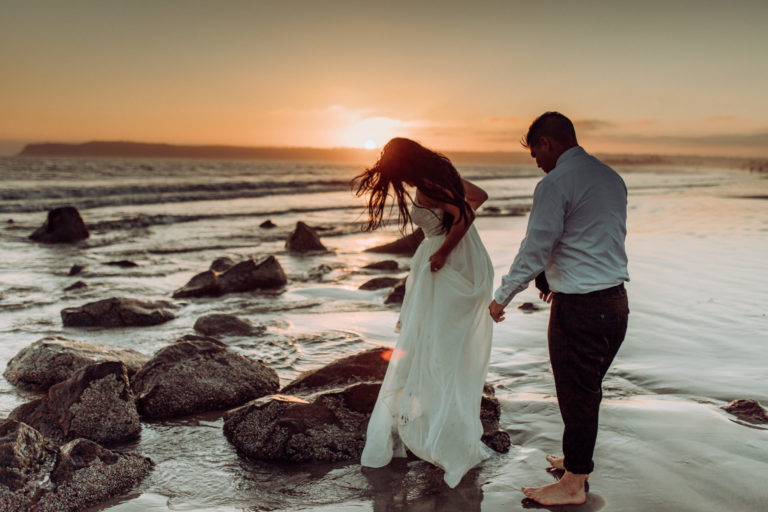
{"points": [[198, 374], [63, 225], [379, 282], [397, 294], [96, 403], [369, 365], [222, 324], [329, 429], [382, 265], [23, 451], [245, 276], [84, 474], [118, 312], [304, 239], [406, 245], [51, 360], [748, 410]]}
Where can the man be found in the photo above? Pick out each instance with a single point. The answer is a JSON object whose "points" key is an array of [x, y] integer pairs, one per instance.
{"points": [[575, 234]]}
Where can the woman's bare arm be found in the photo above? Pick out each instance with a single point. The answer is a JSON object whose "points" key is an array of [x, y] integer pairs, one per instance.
{"points": [[475, 195], [455, 234]]}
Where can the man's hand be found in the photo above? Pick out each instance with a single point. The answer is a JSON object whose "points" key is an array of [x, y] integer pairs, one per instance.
{"points": [[546, 297], [497, 311], [437, 261]]}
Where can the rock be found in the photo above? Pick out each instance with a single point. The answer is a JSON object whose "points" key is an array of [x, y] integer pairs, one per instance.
{"points": [[749, 410], [291, 429], [123, 263], [304, 239], [51, 360], [77, 285], [379, 282], [87, 474], [76, 269], [528, 307], [268, 224], [222, 264], [406, 245], [198, 374], [64, 225], [23, 451], [369, 365], [245, 276], [383, 265], [95, 403], [397, 294], [497, 440], [118, 312], [329, 428], [216, 324]]}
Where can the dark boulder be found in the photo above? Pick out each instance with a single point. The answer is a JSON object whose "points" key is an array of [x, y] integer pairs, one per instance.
{"points": [[123, 263], [222, 264], [245, 276], [405, 246], [221, 324], [369, 365], [304, 239], [96, 403], [397, 294], [198, 374], [749, 410], [77, 285], [528, 307], [76, 269], [268, 224], [64, 225], [287, 428], [85, 474], [23, 451], [118, 312], [379, 282], [51, 360], [383, 265]]}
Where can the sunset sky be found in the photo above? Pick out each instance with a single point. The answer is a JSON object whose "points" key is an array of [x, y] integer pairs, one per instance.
{"points": [[671, 77]]}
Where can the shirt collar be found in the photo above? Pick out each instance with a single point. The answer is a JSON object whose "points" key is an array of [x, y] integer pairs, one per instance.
{"points": [[570, 153]]}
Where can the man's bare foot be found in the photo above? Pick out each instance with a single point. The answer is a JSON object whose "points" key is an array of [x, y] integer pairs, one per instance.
{"points": [[569, 490], [556, 462]]}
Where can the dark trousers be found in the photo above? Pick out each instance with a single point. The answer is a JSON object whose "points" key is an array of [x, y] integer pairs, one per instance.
{"points": [[585, 332]]}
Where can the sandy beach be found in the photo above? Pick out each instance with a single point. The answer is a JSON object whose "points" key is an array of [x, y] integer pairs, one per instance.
{"points": [[696, 340]]}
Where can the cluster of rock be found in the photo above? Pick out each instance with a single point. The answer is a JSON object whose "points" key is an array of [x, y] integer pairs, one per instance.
{"points": [[51, 448], [38, 475]]}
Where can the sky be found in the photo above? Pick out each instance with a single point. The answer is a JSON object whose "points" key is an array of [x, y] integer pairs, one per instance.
{"points": [[667, 77]]}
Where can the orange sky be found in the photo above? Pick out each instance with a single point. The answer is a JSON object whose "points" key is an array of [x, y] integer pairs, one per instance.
{"points": [[662, 77]]}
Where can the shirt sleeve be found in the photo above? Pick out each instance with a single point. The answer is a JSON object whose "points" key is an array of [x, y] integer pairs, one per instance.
{"points": [[545, 227]]}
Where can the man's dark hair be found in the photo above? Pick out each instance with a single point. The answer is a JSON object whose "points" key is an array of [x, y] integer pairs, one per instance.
{"points": [[553, 125]]}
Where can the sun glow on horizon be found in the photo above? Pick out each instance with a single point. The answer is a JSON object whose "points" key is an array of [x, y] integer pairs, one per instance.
{"points": [[372, 132]]}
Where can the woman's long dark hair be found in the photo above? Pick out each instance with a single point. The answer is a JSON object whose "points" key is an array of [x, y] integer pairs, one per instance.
{"points": [[406, 161]]}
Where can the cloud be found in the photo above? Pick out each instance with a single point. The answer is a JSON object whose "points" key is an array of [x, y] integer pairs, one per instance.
{"points": [[590, 125]]}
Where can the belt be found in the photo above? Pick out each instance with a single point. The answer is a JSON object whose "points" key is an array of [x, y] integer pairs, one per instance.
{"points": [[613, 291]]}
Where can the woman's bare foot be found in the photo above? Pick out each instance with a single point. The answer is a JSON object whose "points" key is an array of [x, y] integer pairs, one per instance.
{"points": [[556, 462], [569, 490]]}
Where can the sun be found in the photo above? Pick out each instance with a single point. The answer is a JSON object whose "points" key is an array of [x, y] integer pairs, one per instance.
{"points": [[371, 132]]}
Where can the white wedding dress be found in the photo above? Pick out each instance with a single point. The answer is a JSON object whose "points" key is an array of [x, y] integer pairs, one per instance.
{"points": [[429, 401]]}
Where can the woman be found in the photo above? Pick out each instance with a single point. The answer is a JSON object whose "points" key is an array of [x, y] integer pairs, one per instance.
{"points": [[429, 401]]}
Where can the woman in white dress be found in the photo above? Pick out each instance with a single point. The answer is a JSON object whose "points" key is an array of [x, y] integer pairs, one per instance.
{"points": [[429, 401]]}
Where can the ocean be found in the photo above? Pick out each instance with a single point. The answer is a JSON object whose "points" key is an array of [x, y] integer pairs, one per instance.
{"points": [[697, 242]]}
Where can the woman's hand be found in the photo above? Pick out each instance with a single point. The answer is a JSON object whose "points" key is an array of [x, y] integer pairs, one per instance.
{"points": [[437, 260]]}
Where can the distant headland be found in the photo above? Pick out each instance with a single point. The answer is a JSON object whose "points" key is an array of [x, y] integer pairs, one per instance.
{"points": [[121, 149]]}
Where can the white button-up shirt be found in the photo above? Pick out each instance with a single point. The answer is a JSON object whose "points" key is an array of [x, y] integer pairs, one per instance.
{"points": [[576, 230]]}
